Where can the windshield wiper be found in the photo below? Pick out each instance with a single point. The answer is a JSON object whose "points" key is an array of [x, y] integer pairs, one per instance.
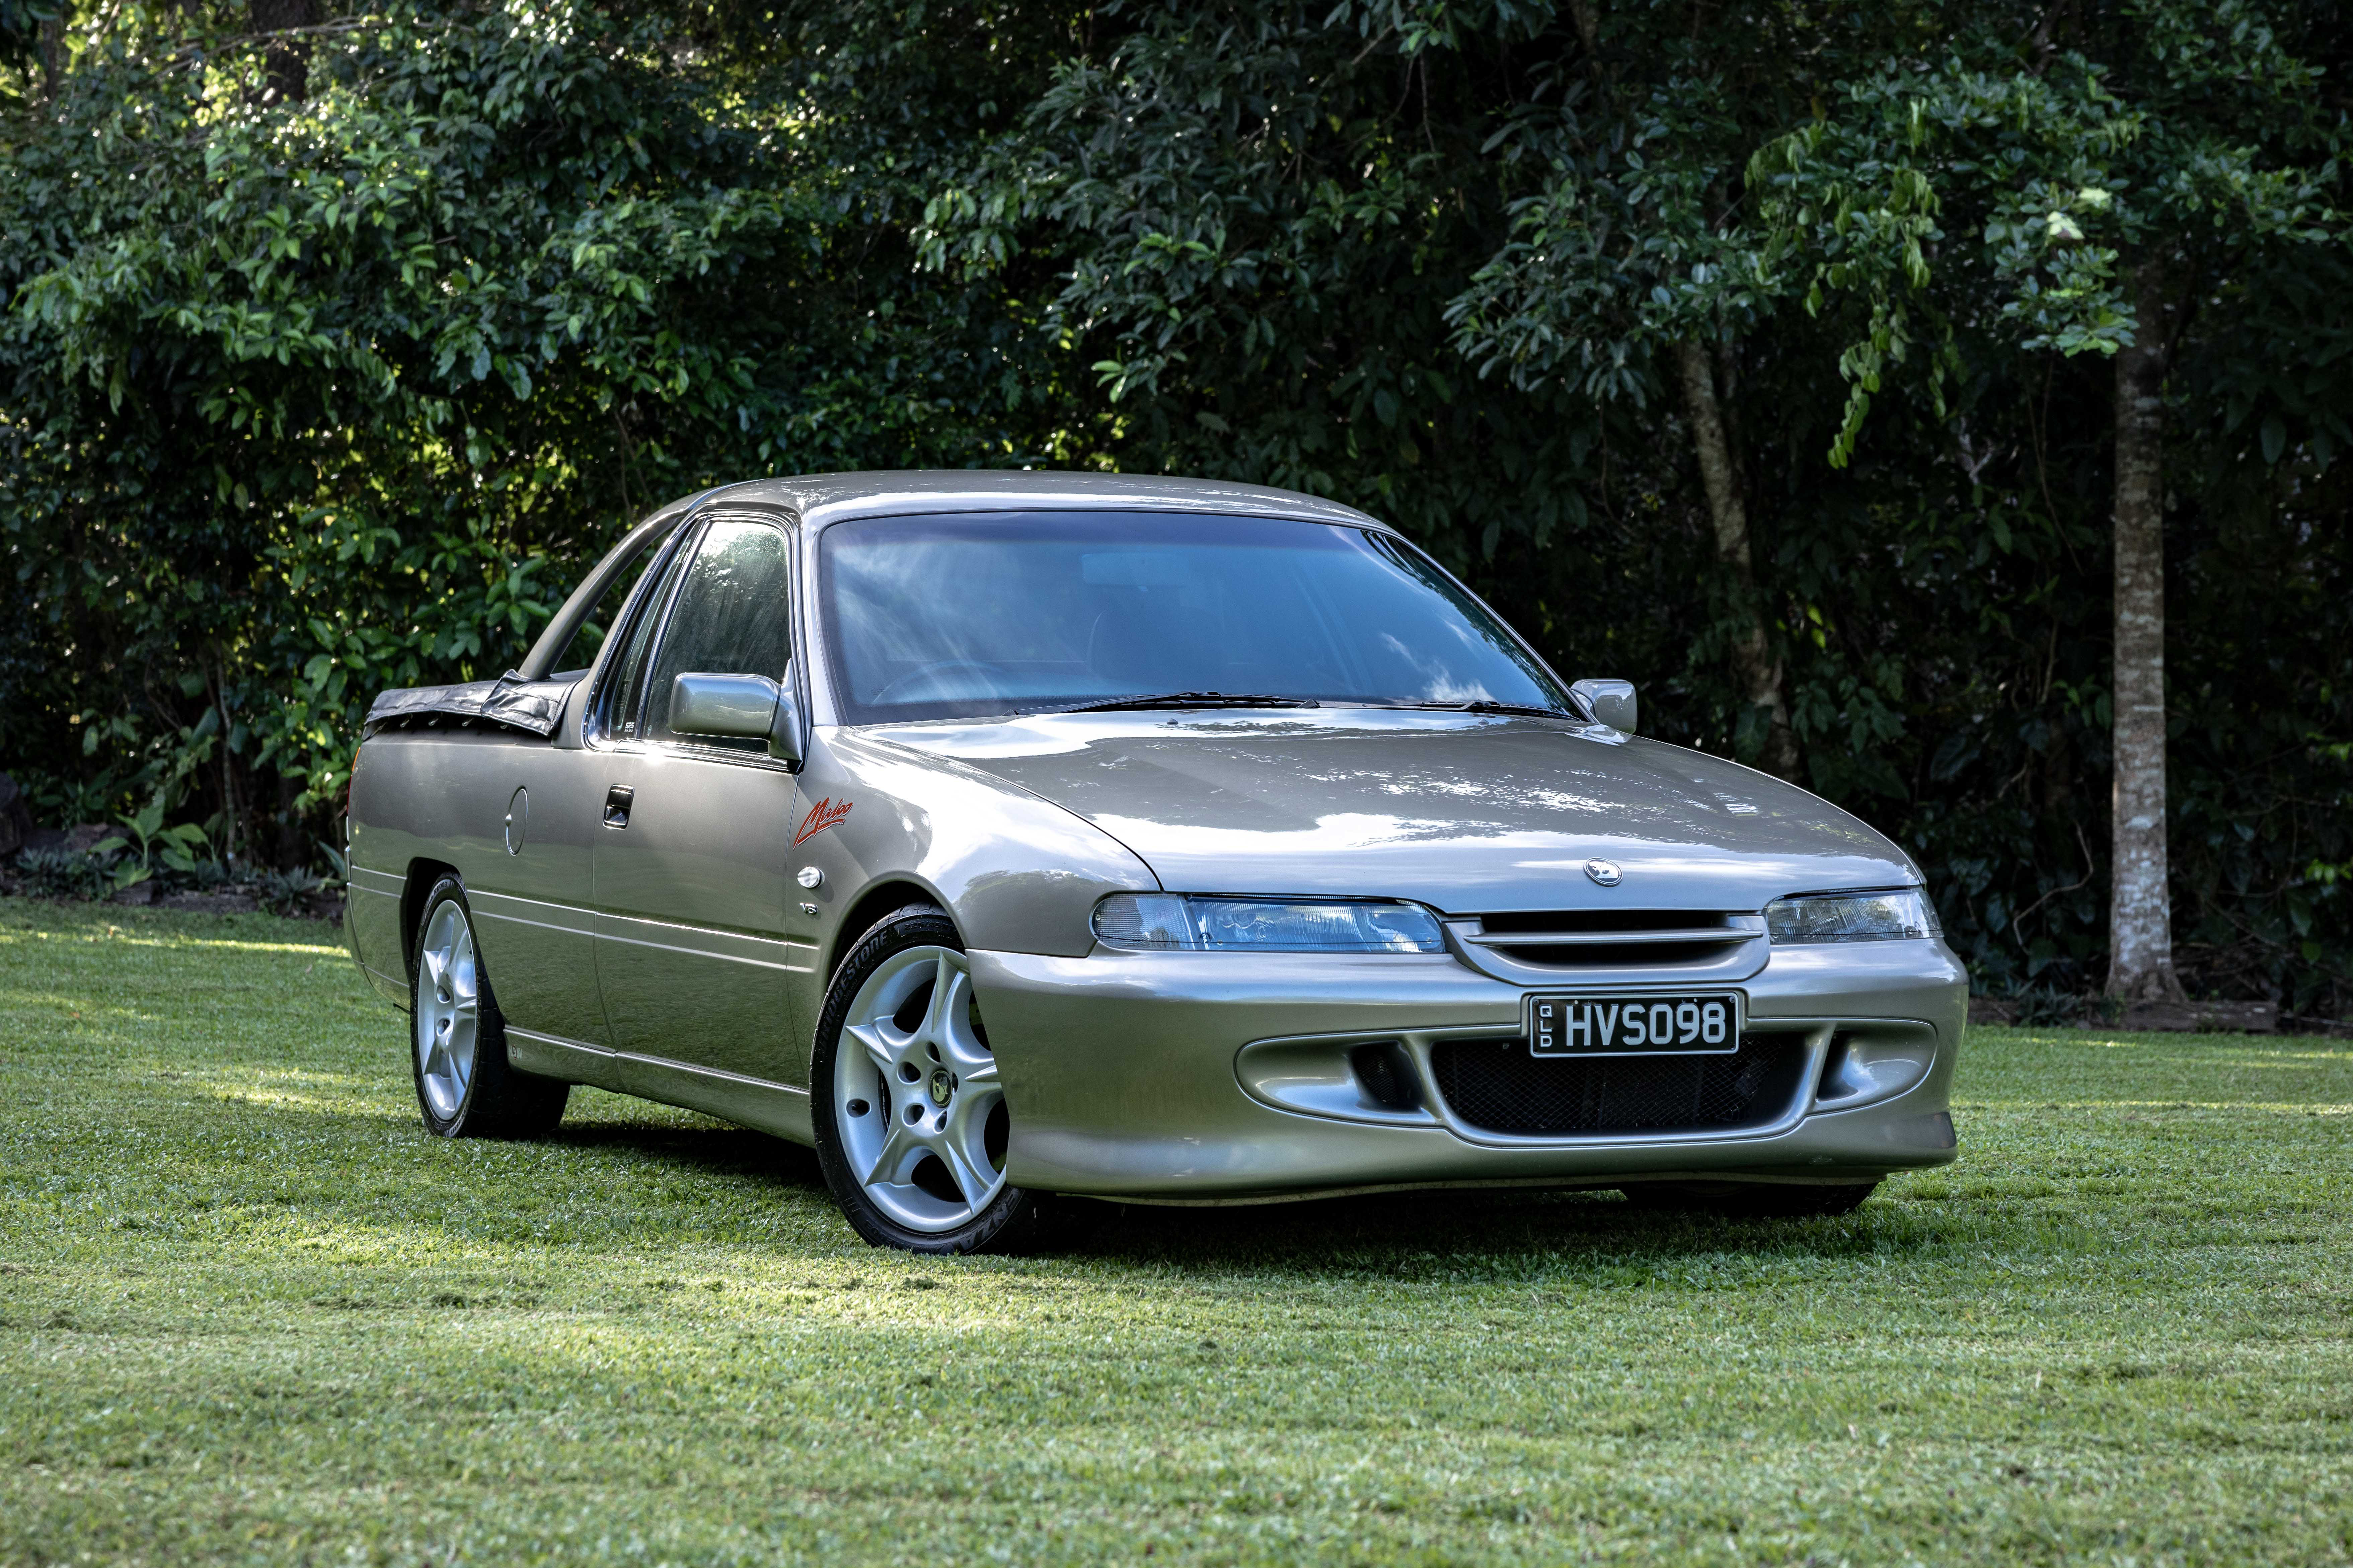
{"points": [[1193, 699], [1488, 705]]}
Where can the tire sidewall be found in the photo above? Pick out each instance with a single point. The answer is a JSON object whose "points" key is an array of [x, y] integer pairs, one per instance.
{"points": [[917, 925]]}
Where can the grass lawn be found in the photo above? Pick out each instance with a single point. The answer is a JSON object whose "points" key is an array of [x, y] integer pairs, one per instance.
{"points": [[250, 1312]]}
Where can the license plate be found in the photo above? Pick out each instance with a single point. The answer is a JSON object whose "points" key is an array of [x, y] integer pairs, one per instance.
{"points": [[1561, 1026]]}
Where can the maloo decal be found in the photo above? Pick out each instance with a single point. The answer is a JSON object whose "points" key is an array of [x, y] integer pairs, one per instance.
{"points": [[822, 816]]}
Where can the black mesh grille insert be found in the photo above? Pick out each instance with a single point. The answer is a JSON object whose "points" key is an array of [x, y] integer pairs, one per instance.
{"points": [[1497, 1086]]}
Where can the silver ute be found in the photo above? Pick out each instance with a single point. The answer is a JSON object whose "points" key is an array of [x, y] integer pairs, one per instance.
{"points": [[1010, 837]]}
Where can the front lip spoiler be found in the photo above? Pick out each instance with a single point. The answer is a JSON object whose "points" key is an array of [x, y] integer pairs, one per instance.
{"points": [[1540, 1184]]}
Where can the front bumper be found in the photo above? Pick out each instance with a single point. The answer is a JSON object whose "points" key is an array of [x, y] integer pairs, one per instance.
{"points": [[1176, 1077]]}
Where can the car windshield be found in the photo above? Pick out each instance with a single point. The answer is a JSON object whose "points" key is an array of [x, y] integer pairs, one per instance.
{"points": [[959, 616]]}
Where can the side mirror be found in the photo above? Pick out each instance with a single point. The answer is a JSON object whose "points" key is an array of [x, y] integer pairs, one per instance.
{"points": [[1612, 702], [739, 707]]}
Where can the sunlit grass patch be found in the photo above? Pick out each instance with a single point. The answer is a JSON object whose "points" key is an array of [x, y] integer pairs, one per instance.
{"points": [[250, 1312]]}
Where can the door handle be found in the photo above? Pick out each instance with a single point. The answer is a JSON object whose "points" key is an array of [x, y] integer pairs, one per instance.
{"points": [[617, 805]]}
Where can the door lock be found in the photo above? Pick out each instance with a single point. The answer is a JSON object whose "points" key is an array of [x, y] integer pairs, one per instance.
{"points": [[616, 805]]}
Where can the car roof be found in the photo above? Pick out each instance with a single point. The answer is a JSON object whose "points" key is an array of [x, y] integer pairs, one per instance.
{"points": [[821, 499]]}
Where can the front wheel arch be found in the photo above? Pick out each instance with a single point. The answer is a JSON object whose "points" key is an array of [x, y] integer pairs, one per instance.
{"points": [[874, 906]]}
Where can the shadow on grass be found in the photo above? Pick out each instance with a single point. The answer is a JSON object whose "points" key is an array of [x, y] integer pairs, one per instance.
{"points": [[1505, 1232], [715, 1151], [1470, 1234], [1508, 1234]]}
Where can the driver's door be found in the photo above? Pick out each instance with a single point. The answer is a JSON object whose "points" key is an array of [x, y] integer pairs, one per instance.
{"points": [[690, 866]]}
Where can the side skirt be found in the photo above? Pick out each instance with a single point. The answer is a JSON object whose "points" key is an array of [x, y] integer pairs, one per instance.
{"points": [[774, 1107]]}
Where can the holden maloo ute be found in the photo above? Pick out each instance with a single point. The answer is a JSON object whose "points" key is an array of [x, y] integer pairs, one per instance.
{"points": [[1014, 837]]}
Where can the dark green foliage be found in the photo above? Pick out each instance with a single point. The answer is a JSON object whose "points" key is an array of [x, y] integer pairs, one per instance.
{"points": [[304, 399], [1258, 217], [2262, 708]]}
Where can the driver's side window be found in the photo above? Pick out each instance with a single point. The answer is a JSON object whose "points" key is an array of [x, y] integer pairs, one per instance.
{"points": [[731, 614]]}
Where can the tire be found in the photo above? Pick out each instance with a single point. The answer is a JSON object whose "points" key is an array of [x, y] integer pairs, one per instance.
{"points": [[904, 1099], [1750, 1200], [457, 1041]]}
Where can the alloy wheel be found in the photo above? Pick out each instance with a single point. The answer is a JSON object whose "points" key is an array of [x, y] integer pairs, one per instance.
{"points": [[449, 1010], [916, 1093]]}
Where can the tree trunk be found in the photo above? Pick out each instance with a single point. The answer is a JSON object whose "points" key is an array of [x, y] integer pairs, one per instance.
{"points": [[52, 36], [2140, 918], [1753, 661], [285, 60], [1588, 30], [294, 833]]}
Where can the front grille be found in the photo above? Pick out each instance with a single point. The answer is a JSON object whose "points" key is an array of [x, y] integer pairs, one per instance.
{"points": [[1498, 1086], [1612, 939]]}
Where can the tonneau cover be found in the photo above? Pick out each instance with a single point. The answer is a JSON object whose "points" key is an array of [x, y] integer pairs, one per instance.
{"points": [[533, 707]]}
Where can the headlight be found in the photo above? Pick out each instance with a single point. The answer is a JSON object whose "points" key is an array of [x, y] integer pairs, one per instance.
{"points": [[1852, 917], [1191, 923]]}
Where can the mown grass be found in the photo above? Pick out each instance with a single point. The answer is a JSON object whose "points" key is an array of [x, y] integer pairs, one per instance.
{"points": [[250, 1312]]}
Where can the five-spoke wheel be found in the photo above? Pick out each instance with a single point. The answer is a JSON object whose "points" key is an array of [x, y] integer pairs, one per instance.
{"points": [[921, 1116], [911, 1117]]}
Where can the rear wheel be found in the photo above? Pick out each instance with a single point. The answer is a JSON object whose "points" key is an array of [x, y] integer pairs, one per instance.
{"points": [[457, 1041], [1750, 1200], [909, 1112]]}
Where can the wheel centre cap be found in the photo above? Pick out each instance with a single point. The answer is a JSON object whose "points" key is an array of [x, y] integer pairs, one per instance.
{"points": [[942, 1085]]}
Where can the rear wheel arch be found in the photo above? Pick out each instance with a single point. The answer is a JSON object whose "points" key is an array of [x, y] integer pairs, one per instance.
{"points": [[414, 889], [465, 1086]]}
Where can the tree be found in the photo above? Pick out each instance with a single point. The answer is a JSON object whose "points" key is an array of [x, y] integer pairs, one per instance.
{"points": [[2034, 145], [2114, 186], [332, 355], [1628, 277]]}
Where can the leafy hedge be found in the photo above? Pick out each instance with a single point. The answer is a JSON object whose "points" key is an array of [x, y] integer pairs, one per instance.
{"points": [[304, 396]]}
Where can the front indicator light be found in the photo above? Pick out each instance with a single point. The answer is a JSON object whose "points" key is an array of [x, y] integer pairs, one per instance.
{"points": [[1852, 917], [1179, 922]]}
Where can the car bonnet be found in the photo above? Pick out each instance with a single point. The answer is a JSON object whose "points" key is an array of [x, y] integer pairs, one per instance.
{"points": [[1465, 812]]}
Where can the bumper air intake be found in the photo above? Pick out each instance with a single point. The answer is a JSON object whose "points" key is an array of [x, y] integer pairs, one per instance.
{"points": [[1496, 1086]]}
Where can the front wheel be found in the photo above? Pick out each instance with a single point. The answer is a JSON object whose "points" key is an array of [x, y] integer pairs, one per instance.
{"points": [[457, 1040], [909, 1112]]}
